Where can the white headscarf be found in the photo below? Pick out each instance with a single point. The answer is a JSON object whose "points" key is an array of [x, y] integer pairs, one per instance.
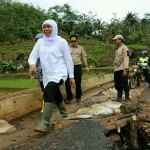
{"points": [[54, 35]]}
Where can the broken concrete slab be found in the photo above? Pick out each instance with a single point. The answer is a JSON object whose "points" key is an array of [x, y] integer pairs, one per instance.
{"points": [[5, 127]]}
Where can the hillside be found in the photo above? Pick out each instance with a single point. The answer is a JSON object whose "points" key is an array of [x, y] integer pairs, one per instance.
{"points": [[95, 49], [14, 65], [99, 54]]}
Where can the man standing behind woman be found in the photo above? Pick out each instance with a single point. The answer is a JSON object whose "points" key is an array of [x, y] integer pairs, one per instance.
{"points": [[77, 53], [39, 74], [121, 64], [56, 62]]}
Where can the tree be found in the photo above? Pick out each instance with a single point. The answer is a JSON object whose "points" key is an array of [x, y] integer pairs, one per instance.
{"points": [[131, 21]]}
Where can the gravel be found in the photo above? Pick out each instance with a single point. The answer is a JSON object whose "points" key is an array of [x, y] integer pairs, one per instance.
{"points": [[83, 135]]}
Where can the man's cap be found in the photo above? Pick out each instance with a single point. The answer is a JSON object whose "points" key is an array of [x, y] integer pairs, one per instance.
{"points": [[117, 37], [39, 35]]}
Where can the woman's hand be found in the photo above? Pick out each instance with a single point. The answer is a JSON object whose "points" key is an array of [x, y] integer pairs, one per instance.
{"points": [[33, 69]]}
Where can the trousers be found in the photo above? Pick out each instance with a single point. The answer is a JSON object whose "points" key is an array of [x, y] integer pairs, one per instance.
{"points": [[78, 79], [52, 93], [121, 82]]}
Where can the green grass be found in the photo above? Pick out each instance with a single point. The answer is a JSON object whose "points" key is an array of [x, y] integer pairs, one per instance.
{"points": [[90, 75], [18, 83], [3, 93], [11, 80], [22, 75]]}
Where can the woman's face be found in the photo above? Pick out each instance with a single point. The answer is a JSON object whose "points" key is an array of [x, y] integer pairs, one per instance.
{"points": [[47, 29]]}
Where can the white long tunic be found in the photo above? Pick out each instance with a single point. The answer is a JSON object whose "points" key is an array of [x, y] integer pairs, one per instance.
{"points": [[55, 60]]}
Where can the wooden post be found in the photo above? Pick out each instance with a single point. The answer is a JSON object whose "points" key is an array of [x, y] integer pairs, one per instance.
{"points": [[133, 132], [129, 107]]}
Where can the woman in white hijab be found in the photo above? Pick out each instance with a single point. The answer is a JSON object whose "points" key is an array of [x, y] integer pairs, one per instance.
{"points": [[56, 62]]}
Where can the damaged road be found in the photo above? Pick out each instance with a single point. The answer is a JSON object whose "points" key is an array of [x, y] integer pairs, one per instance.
{"points": [[24, 138], [82, 134]]}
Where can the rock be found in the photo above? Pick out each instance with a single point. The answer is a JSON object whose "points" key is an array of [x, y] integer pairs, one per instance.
{"points": [[20, 67], [78, 116], [20, 57], [114, 137], [112, 104], [5, 127]]}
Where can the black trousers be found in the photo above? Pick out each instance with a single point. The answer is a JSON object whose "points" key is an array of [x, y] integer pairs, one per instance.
{"points": [[52, 93], [42, 86], [121, 82], [78, 78], [147, 76]]}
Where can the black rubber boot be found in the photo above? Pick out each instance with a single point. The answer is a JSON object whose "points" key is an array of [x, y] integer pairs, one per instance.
{"points": [[119, 97], [127, 99]]}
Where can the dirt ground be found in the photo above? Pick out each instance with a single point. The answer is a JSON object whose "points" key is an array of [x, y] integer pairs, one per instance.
{"points": [[26, 139]]}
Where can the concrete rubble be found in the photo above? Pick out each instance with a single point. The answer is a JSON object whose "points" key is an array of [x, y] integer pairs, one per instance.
{"points": [[5, 127]]}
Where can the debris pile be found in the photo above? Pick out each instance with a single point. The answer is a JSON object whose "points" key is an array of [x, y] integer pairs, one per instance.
{"points": [[83, 135]]}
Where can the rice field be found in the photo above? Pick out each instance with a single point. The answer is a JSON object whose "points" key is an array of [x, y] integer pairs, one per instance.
{"points": [[18, 83], [12, 85]]}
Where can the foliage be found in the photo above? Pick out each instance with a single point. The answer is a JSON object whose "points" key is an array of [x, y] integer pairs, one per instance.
{"points": [[20, 19], [139, 47], [8, 65], [91, 61], [23, 22]]}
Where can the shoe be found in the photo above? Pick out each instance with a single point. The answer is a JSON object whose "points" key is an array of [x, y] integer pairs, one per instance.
{"points": [[68, 100], [127, 100], [79, 100], [40, 130]]}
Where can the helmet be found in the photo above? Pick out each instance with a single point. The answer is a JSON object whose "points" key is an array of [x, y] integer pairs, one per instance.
{"points": [[39, 35], [144, 52]]}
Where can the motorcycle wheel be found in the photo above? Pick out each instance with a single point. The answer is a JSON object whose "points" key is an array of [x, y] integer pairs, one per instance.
{"points": [[133, 82]]}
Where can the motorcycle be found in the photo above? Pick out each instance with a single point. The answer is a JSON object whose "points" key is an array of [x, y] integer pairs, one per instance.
{"points": [[136, 76]]}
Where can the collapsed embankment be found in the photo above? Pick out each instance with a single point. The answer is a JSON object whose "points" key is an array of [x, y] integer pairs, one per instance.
{"points": [[18, 104]]}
